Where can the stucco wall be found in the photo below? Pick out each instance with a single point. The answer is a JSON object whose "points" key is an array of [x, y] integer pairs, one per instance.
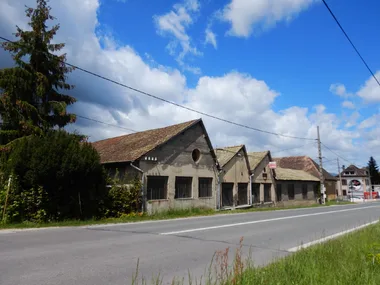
{"points": [[236, 171], [175, 159], [297, 190]]}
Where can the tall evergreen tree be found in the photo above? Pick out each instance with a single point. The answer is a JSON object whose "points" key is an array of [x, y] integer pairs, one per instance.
{"points": [[30, 98], [373, 171]]}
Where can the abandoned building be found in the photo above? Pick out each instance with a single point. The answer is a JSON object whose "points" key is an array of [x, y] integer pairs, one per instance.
{"points": [[235, 176], [308, 165], [296, 187], [263, 183], [176, 164]]}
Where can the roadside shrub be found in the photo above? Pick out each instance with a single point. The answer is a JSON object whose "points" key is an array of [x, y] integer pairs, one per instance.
{"points": [[54, 177], [123, 198]]}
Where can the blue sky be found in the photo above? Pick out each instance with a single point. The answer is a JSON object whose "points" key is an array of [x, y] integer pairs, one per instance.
{"points": [[278, 65]]}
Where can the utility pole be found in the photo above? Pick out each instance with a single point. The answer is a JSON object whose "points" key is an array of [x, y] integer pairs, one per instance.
{"points": [[321, 169], [340, 177]]}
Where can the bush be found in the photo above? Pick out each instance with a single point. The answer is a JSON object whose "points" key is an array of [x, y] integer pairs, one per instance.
{"points": [[55, 177]]}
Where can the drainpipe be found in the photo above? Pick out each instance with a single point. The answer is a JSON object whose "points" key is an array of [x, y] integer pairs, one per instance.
{"points": [[143, 208], [250, 189]]}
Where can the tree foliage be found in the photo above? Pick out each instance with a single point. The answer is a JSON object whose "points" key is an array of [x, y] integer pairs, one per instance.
{"points": [[30, 98], [54, 177], [373, 171]]}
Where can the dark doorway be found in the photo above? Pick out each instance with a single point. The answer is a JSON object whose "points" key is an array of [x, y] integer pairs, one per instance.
{"points": [[255, 193], [227, 194], [279, 192], [267, 192]]}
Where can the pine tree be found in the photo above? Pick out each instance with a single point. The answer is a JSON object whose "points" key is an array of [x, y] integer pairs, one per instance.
{"points": [[30, 98], [373, 171]]}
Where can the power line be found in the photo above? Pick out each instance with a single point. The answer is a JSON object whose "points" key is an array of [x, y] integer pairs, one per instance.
{"points": [[173, 103], [348, 38], [104, 123], [335, 153]]}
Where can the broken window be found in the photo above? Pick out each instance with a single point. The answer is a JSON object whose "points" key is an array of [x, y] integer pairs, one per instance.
{"points": [[183, 187], [157, 187], [255, 193], [279, 192], [267, 193], [291, 191], [304, 191], [205, 187], [243, 194]]}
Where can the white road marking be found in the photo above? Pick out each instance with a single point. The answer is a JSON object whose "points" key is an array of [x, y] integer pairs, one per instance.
{"points": [[263, 221], [297, 248]]}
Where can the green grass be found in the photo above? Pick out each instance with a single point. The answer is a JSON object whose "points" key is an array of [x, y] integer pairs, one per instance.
{"points": [[342, 261], [170, 214]]}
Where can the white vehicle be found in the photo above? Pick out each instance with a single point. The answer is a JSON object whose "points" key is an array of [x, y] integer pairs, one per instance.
{"points": [[356, 199]]}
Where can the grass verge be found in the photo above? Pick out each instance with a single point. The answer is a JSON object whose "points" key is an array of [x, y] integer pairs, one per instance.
{"points": [[351, 259], [170, 214]]}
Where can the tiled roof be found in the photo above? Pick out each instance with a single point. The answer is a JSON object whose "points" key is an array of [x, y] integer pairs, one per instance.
{"points": [[304, 163], [255, 158], [358, 171], [294, 175], [133, 146], [224, 155]]}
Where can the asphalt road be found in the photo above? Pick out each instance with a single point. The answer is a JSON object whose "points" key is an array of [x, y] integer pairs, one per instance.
{"points": [[108, 254]]}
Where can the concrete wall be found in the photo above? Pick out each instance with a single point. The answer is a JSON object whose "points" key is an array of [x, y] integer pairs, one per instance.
{"points": [[175, 159], [236, 171], [298, 191], [258, 178]]}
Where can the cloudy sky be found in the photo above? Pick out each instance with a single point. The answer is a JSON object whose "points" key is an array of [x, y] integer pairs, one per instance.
{"points": [[278, 65]]}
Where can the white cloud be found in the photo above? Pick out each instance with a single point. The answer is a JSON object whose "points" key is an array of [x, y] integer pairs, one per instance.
{"points": [[234, 96], [369, 122], [174, 24], [247, 16], [340, 90], [348, 104], [210, 37], [352, 120], [370, 91]]}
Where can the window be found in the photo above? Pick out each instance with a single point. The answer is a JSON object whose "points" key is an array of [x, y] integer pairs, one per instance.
{"points": [[255, 193], [279, 192], [243, 194], [344, 182], [205, 187], [344, 192], [267, 194], [196, 155], [304, 191], [157, 187], [291, 191], [315, 190], [183, 187]]}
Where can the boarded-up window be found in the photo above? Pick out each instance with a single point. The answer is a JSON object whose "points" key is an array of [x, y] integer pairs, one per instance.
{"points": [[291, 191], [205, 187], [304, 191], [157, 187], [183, 187]]}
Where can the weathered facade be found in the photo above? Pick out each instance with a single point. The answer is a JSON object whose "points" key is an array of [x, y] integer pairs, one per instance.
{"points": [[296, 187], [235, 174], [355, 181], [177, 165], [308, 165], [263, 183]]}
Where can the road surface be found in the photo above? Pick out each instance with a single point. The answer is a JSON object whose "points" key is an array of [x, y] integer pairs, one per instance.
{"points": [[108, 254]]}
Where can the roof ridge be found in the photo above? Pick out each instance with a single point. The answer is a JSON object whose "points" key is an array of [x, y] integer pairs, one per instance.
{"points": [[154, 129], [241, 145]]}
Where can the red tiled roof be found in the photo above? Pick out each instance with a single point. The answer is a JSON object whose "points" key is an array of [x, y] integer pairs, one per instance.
{"points": [[133, 146], [304, 163]]}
